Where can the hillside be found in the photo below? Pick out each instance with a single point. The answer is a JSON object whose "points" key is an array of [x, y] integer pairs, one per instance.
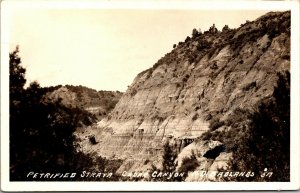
{"points": [[204, 87], [42, 123], [99, 103]]}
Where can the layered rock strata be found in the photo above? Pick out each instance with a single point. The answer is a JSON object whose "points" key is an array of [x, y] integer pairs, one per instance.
{"points": [[208, 76]]}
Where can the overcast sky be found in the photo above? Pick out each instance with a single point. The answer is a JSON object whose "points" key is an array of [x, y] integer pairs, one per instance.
{"points": [[105, 49]]}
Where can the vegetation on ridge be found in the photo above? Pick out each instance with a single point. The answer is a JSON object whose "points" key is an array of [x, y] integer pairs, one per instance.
{"points": [[41, 132], [259, 139], [98, 103]]}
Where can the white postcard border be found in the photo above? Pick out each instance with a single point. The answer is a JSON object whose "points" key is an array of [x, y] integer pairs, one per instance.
{"points": [[6, 185]]}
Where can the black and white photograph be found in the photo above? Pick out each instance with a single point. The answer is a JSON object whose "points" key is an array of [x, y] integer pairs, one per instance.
{"points": [[129, 96]]}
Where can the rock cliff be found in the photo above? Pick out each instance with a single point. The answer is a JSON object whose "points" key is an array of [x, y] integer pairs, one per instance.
{"points": [[203, 79]]}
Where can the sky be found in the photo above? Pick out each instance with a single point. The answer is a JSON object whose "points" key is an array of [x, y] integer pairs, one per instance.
{"points": [[105, 49]]}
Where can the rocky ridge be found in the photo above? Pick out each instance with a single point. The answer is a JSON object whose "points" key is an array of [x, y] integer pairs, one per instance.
{"points": [[98, 103], [192, 89]]}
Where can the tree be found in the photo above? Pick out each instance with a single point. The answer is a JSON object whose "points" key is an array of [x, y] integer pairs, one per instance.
{"points": [[266, 143], [16, 77], [168, 164], [225, 28], [195, 32], [188, 164], [41, 132], [213, 29], [169, 157]]}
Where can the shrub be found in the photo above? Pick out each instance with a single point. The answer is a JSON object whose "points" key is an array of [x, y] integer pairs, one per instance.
{"points": [[215, 124], [206, 136], [188, 164], [208, 117], [169, 156], [195, 32], [225, 28], [266, 143], [204, 44], [133, 92], [286, 57], [249, 86], [238, 116], [146, 162], [188, 38], [195, 117]]}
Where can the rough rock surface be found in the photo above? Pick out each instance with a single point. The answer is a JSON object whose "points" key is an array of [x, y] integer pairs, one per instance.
{"points": [[99, 103], [207, 76], [208, 168]]}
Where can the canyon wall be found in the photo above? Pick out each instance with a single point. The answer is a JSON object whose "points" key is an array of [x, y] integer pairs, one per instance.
{"points": [[206, 77]]}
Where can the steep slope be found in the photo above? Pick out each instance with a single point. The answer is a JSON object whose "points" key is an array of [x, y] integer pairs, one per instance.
{"points": [[197, 86]]}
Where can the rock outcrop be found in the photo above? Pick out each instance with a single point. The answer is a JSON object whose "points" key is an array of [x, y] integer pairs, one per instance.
{"points": [[204, 78], [99, 103]]}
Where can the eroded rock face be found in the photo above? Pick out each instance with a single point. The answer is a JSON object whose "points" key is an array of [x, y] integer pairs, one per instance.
{"points": [[208, 168], [199, 149], [207, 76], [99, 103]]}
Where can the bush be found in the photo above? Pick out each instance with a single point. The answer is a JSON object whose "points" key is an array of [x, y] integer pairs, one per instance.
{"points": [[188, 164], [249, 86], [206, 136], [266, 143], [195, 117], [238, 116], [204, 44], [188, 38], [195, 32], [133, 92], [215, 124], [169, 156], [225, 28]]}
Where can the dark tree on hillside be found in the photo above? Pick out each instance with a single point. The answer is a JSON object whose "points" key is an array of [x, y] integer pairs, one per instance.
{"points": [[168, 164], [225, 28], [16, 76], [41, 132], [195, 32], [267, 142], [169, 157]]}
